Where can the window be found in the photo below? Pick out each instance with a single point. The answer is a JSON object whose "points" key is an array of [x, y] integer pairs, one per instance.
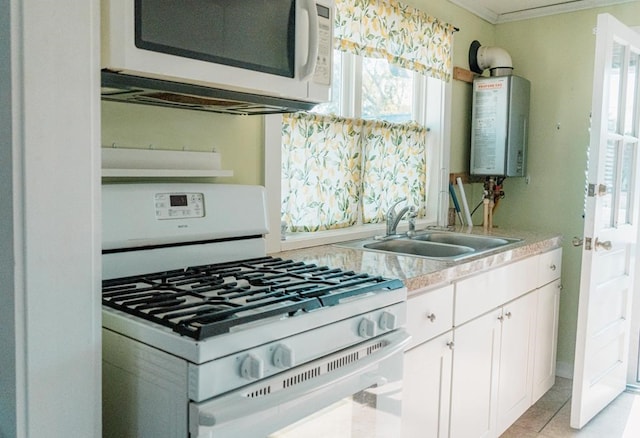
{"points": [[378, 117]]}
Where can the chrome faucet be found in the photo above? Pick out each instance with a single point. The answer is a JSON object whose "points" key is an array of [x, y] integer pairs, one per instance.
{"points": [[393, 218]]}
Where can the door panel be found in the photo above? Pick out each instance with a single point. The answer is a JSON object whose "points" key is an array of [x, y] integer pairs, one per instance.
{"points": [[610, 230], [474, 390]]}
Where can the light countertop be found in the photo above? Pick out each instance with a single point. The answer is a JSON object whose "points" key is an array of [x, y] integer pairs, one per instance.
{"points": [[418, 273]]}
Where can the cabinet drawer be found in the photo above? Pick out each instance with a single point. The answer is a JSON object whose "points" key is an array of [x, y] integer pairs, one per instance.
{"points": [[481, 293], [429, 314], [550, 266]]}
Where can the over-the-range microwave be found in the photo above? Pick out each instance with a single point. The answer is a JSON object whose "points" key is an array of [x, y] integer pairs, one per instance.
{"points": [[262, 53]]}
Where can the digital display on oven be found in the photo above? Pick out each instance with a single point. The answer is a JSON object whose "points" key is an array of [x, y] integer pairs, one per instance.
{"points": [[179, 205], [178, 200]]}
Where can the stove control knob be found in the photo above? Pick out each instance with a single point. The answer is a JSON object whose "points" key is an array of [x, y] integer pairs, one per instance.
{"points": [[283, 357], [367, 328], [387, 321], [252, 367]]}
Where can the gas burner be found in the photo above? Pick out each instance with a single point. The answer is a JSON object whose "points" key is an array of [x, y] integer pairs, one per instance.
{"points": [[204, 301]]}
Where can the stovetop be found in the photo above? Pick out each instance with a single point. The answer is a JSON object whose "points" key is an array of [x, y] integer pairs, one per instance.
{"points": [[200, 302]]}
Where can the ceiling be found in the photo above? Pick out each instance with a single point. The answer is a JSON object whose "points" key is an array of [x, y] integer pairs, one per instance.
{"points": [[501, 11]]}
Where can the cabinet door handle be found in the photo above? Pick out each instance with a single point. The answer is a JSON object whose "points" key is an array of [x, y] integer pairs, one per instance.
{"points": [[451, 345], [431, 317], [553, 267], [508, 315]]}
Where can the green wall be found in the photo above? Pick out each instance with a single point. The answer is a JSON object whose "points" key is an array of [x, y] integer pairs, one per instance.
{"points": [[556, 54], [238, 139]]}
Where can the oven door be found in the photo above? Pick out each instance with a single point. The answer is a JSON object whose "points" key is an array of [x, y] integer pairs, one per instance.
{"points": [[354, 393]]}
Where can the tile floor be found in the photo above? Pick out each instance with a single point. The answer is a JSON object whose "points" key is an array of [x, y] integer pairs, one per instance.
{"points": [[549, 417]]}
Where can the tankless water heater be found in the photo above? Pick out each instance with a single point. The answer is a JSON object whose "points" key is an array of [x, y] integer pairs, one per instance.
{"points": [[500, 118]]}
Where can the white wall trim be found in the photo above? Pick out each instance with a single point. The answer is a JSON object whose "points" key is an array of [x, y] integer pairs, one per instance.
{"points": [[564, 369], [541, 11], [50, 223]]}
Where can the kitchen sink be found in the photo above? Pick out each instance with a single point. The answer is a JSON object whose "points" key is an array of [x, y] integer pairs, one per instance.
{"points": [[478, 243], [437, 245]]}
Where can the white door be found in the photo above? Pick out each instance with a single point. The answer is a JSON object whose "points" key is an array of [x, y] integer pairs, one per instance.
{"points": [[611, 213]]}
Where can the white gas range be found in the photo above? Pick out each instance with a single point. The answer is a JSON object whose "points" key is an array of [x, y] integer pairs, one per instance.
{"points": [[206, 336]]}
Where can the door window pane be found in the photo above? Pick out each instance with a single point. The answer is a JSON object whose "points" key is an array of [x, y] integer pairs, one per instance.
{"points": [[387, 91], [617, 62], [608, 199], [627, 176], [631, 110]]}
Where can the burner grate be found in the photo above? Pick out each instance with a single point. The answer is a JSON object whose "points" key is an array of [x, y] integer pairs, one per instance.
{"points": [[204, 301]]}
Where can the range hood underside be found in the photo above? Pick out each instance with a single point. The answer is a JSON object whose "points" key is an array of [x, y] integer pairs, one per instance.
{"points": [[135, 89]]}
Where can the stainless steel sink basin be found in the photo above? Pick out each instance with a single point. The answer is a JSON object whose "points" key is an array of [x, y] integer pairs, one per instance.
{"points": [[420, 248], [437, 245], [478, 243]]}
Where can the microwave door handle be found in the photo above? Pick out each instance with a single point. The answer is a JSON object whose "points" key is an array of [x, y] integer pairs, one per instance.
{"points": [[307, 69]]}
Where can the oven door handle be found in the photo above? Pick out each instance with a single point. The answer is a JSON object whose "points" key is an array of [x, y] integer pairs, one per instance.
{"points": [[217, 415]]}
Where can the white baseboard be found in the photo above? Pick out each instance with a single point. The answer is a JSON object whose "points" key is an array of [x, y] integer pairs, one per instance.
{"points": [[564, 369]]}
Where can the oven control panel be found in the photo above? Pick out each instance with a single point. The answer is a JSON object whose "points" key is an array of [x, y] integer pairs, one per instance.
{"points": [[179, 205]]}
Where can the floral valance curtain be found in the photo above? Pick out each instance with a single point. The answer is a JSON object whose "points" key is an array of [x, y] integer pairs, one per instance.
{"points": [[336, 169], [403, 35]]}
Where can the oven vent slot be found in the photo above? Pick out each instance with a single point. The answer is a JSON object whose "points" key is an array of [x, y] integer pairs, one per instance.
{"points": [[299, 378], [375, 347], [259, 392], [342, 361]]}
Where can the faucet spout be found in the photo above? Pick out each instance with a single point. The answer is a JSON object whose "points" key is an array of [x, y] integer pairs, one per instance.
{"points": [[393, 218]]}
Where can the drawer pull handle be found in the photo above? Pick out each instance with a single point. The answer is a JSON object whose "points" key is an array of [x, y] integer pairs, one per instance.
{"points": [[431, 317]]}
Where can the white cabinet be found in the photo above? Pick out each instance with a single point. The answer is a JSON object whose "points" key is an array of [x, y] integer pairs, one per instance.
{"points": [[503, 323], [429, 314], [517, 345], [427, 364], [426, 389], [475, 371], [505, 332], [546, 338], [493, 348]]}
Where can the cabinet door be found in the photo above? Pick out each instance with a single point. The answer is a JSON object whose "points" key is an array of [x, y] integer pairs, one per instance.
{"points": [[426, 389], [516, 359], [429, 314], [475, 371], [546, 339]]}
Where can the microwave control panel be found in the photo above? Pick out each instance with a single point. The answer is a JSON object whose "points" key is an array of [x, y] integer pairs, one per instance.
{"points": [[179, 205], [322, 74]]}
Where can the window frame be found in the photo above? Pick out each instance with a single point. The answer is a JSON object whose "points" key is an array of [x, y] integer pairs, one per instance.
{"points": [[434, 112]]}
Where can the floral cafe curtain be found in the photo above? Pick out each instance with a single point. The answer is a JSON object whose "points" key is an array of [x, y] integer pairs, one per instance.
{"points": [[332, 167], [404, 35], [321, 168], [394, 167]]}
